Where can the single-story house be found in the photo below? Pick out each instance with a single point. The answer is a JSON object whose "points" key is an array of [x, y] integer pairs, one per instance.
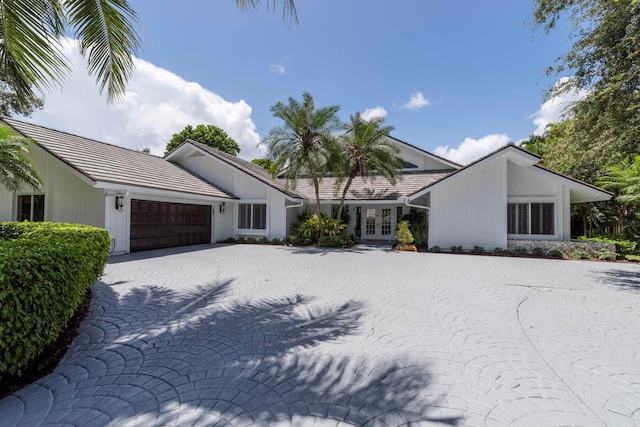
{"points": [[197, 194]]}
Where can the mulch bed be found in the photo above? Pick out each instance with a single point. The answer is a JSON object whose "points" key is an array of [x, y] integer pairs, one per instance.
{"points": [[52, 354]]}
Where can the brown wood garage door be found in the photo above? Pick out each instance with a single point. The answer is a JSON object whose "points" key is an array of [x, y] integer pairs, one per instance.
{"points": [[162, 225]]}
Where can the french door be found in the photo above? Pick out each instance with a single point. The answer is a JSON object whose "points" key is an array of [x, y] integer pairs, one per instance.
{"points": [[378, 223]]}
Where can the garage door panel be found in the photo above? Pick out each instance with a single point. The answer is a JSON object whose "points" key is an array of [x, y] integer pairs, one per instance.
{"points": [[161, 224]]}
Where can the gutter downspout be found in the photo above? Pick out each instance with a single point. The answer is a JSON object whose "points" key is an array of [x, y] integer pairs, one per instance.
{"points": [[427, 208]]}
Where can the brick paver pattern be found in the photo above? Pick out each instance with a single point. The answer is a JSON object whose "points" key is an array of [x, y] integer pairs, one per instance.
{"points": [[269, 335]]}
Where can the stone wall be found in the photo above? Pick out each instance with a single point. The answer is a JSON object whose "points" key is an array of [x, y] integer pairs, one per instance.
{"points": [[564, 247]]}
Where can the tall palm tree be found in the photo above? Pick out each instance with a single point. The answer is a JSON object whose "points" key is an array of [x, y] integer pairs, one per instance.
{"points": [[366, 152], [303, 144], [30, 31], [15, 167]]}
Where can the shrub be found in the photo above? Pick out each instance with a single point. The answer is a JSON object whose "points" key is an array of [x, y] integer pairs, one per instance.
{"points": [[291, 239], [580, 254], [520, 252], [477, 249], [45, 271], [251, 240], [263, 240], [339, 241], [309, 230], [538, 251], [435, 249], [605, 254], [228, 240], [555, 253], [275, 241], [456, 249], [623, 247], [499, 251], [403, 234]]}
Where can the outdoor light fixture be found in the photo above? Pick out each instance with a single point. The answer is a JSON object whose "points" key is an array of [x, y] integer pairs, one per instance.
{"points": [[223, 206], [119, 203]]}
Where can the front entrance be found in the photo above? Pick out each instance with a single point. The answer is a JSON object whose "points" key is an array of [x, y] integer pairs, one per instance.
{"points": [[378, 223]]}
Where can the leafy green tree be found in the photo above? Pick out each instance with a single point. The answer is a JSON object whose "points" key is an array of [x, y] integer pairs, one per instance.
{"points": [[264, 163], [11, 103], [303, 145], [15, 167], [30, 31], [209, 135], [624, 180], [365, 151], [535, 144], [604, 60]]}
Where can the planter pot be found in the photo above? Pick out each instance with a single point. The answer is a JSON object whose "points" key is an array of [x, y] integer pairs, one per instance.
{"points": [[410, 248]]}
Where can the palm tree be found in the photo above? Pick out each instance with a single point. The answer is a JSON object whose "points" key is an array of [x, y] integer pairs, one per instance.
{"points": [[15, 167], [366, 152], [30, 31], [624, 179], [303, 144]]}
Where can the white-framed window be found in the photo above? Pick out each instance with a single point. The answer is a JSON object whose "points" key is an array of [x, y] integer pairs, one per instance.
{"points": [[530, 218], [30, 207], [252, 216]]}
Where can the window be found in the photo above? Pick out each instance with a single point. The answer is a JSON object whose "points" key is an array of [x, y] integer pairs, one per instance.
{"points": [[252, 216], [530, 218], [31, 207]]}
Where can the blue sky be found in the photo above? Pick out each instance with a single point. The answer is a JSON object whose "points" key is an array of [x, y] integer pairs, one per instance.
{"points": [[475, 71]]}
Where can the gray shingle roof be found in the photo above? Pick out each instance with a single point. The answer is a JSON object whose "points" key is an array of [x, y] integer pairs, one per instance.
{"points": [[249, 168], [375, 188], [102, 162]]}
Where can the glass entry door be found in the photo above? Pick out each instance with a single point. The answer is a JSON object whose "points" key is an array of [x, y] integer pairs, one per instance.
{"points": [[378, 223]]}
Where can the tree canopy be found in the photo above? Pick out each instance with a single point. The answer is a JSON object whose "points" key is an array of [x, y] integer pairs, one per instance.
{"points": [[210, 135], [604, 60], [263, 163]]}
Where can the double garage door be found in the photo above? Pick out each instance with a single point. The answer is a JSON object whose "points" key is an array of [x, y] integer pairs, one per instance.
{"points": [[162, 225]]}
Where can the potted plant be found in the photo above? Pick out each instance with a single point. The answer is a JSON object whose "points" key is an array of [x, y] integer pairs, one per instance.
{"points": [[405, 238]]}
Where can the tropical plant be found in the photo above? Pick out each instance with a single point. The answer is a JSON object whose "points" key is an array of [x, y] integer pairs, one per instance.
{"points": [[263, 163], [624, 179], [309, 230], [417, 224], [403, 234], [15, 167], [302, 146], [365, 151], [30, 32], [210, 135]]}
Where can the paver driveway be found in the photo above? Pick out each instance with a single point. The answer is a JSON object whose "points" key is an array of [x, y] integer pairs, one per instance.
{"points": [[259, 335]]}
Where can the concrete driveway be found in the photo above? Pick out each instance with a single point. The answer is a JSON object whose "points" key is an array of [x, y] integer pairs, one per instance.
{"points": [[263, 335]]}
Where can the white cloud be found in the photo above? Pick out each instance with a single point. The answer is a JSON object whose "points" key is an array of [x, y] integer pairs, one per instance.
{"points": [[416, 102], [278, 69], [552, 110], [375, 112], [471, 149], [157, 104]]}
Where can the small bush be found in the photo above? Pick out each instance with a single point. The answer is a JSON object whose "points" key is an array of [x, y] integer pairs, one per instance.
{"points": [[435, 249], [520, 252], [605, 255], [291, 239], [251, 240], [580, 254], [240, 239], [228, 240], [538, 251], [499, 251], [555, 253], [334, 241], [45, 271], [403, 234], [456, 249], [632, 258], [275, 241], [264, 241], [477, 249]]}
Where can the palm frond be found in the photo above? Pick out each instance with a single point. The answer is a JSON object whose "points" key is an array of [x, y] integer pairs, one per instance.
{"points": [[108, 39], [30, 55], [289, 12]]}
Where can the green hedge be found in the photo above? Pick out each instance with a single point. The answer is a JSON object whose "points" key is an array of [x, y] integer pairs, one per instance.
{"points": [[623, 247], [45, 271]]}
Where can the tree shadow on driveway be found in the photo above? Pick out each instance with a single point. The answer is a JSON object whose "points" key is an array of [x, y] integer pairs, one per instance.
{"points": [[154, 356], [624, 279]]}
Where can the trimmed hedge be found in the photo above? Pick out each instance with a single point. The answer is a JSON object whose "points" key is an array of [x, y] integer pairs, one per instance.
{"points": [[45, 271]]}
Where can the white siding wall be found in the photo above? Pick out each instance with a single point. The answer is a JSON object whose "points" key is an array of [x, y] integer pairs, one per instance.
{"points": [[470, 208], [526, 185], [67, 197], [421, 160], [222, 222], [214, 171]]}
